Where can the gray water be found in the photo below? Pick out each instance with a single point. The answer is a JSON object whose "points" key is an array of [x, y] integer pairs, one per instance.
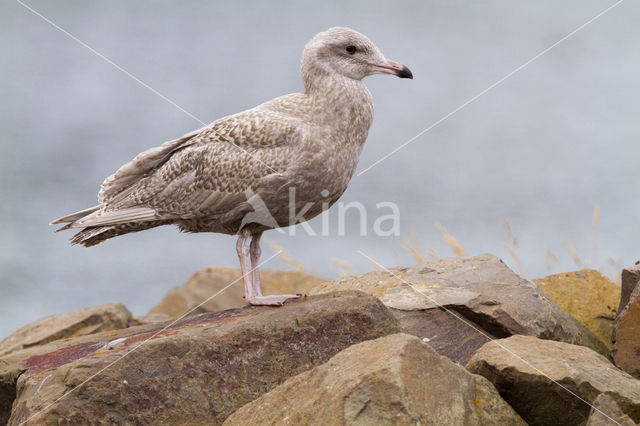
{"points": [[539, 150]]}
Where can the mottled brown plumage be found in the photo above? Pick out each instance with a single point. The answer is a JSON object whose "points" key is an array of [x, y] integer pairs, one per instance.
{"points": [[300, 148]]}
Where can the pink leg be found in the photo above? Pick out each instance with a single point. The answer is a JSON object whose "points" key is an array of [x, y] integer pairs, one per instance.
{"points": [[243, 254], [256, 252], [256, 297]]}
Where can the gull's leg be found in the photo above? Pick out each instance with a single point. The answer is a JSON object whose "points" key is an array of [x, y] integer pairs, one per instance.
{"points": [[257, 298], [256, 252], [242, 247]]}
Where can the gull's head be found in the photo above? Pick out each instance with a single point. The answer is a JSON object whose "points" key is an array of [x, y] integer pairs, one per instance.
{"points": [[348, 53]]}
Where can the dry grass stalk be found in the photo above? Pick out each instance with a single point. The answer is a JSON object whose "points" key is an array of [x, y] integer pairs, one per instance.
{"points": [[617, 266], [412, 245], [551, 259], [511, 246], [596, 214], [284, 256], [376, 264], [507, 228], [433, 254], [396, 256], [574, 255], [344, 268], [595, 221], [515, 257], [449, 239]]}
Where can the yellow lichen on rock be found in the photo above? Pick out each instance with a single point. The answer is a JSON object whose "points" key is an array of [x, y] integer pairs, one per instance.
{"points": [[586, 295]]}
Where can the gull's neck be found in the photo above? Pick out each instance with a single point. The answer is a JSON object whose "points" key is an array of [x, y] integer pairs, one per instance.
{"points": [[335, 95], [332, 85]]}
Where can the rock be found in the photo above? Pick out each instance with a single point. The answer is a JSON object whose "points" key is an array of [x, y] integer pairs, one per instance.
{"points": [[557, 382], [151, 319], [395, 379], [626, 347], [446, 331], [586, 295], [458, 304], [605, 412], [207, 282], [198, 370], [109, 316], [12, 365], [630, 278]]}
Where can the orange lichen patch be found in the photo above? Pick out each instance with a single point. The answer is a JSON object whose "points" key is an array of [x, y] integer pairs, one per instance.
{"points": [[110, 331], [100, 352]]}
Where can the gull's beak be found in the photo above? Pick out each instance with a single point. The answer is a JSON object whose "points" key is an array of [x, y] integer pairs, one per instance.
{"points": [[393, 68]]}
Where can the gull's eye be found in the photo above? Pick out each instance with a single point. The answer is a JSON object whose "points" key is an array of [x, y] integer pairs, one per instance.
{"points": [[350, 49]]}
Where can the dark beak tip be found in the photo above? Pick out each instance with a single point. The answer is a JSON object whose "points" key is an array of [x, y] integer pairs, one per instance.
{"points": [[405, 73]]}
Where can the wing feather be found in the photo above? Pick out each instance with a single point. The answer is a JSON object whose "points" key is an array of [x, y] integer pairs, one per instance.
{"points": [[205, 172], [208, 174], [141, 165]]}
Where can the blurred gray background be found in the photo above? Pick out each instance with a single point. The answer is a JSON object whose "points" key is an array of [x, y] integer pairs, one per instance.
{"points": [[539, 150]]}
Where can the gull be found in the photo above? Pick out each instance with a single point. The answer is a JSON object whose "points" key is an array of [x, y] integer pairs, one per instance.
{"points": [[245, 173]]}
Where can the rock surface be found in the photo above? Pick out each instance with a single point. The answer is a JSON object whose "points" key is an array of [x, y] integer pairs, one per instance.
{"points": [[448, 332], [626, 348], [395, 379], [545, 389], [108, 316], [151, 319], [196, 371], [586, 295], [208, 282], [605, 412], [630, 278], [488, 299]]}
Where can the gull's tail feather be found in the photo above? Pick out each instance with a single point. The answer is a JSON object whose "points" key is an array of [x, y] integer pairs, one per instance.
{"points": [[69, 219], [99, 227], [94, 235], [91, 236]]}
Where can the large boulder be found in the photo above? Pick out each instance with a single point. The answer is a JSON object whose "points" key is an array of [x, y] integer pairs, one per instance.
{"points": [[586, 295], [549, 382], [395, 379], [197, 370], [196, 294], [105, 317], [458, 304], [626, 348]]}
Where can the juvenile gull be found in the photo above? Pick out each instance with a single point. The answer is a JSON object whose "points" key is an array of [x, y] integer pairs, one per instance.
{"points": [[274, 165]]}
